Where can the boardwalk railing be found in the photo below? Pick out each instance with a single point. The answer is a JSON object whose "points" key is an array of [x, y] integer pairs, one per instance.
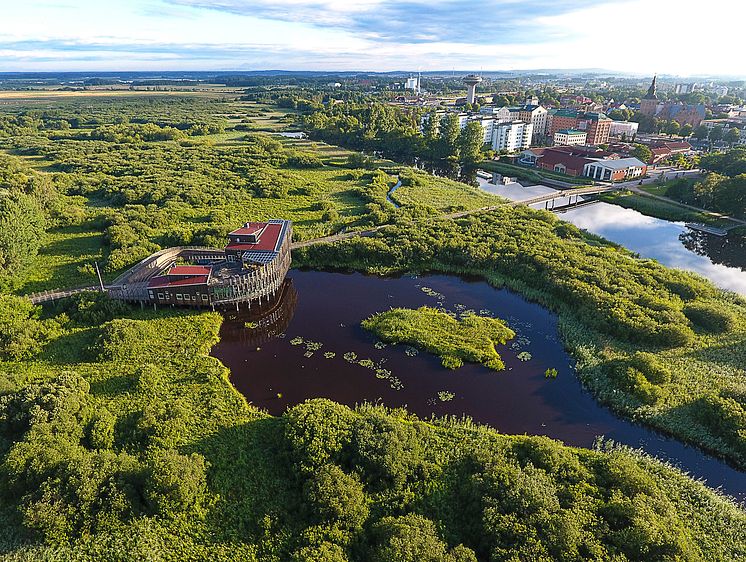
{"points": [[49, 296]]}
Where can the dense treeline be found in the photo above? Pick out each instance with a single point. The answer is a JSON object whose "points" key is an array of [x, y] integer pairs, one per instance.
{"points": [[132, 445], [396, 133], [723, 188], [614, 305]]}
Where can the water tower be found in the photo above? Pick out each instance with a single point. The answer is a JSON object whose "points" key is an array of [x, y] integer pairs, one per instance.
{"points": [[471, 82]]}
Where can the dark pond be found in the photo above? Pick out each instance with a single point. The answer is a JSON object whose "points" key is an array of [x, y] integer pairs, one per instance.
{"points": [[274, 370]]}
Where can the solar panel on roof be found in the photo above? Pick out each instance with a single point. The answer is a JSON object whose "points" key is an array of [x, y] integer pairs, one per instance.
{"points": [[259, 257]]}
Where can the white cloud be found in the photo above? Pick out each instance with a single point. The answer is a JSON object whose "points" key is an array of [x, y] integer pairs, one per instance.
{"points": [[642, 36]]}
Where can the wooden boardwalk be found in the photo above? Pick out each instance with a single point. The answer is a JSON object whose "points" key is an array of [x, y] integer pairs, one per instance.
{"points": [[57, 294]]}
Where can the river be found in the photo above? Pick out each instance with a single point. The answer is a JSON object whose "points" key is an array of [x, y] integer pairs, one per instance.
{"points": [[722, 260], [278, 360]]}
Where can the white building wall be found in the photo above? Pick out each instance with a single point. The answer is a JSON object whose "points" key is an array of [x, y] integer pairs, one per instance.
{"points": [[512, 136]]}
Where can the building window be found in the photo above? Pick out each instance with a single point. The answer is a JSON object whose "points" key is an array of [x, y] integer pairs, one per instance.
{"points": [[160, 296], [178, 296], [194, 297], [150, 293], [204, 297]]}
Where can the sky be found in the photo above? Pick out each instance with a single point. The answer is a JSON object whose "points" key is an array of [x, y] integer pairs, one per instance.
{"points": [[678, 37]]}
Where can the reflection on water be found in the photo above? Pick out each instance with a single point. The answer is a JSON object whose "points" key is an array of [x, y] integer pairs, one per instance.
{"points": [[720, 259], [314, 347], [252, 327]]}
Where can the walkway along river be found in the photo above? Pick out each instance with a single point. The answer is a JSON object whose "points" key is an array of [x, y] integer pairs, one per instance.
{"points": [[277, 372]]}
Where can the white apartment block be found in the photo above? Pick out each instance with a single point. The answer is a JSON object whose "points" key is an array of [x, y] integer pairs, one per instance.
{"points": [[534, 114], [626, 128], [512, 137]]}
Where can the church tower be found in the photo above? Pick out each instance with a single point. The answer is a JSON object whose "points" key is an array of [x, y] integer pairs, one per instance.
{"points": [[649, 104]]}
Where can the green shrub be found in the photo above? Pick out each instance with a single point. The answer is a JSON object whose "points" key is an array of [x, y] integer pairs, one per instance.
{"points": [[711, 316], [176, 484], [337, 498], [473, 338]]}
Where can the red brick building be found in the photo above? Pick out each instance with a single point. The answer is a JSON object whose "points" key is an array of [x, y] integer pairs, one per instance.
{"points": [[597, 126]]}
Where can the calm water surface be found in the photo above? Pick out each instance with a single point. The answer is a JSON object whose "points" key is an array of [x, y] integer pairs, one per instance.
{"points": [[722, 260], [327, 308]]}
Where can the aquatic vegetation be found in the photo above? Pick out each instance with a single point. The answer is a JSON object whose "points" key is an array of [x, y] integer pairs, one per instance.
{"points": [[350, 356], [551, 373], [379, 345], [296, 341], [383, 373], [470, 339], [432, 293], [446, 396], [308, 354], [313, 345], [411, 351], [367, 363], [329, 354], [251, 325], [524, 356]]}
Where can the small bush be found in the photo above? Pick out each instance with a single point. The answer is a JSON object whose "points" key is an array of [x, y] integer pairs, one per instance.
{"points": [[710, 316]]}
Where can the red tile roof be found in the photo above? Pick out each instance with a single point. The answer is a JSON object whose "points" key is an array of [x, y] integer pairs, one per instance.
{"points": [[267, 241], [190, 270], [570, 161], [250, 228], [164, 281]]}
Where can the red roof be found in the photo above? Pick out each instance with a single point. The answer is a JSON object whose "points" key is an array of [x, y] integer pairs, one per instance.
{"points": [[267, 241], [189, 270], [552, 157], [164, 281], [249, 228]]}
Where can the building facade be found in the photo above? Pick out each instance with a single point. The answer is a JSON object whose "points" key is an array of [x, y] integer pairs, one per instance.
{"points": [[512, 136], [537, 116], [628, 129], [622, 169], [569, 137], [597, 126]]}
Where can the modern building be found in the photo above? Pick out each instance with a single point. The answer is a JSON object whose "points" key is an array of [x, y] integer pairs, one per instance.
{"points": [[597, 126], [626, 129], [512, 136], [569, 137], [621, 169], [250, 269]]}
